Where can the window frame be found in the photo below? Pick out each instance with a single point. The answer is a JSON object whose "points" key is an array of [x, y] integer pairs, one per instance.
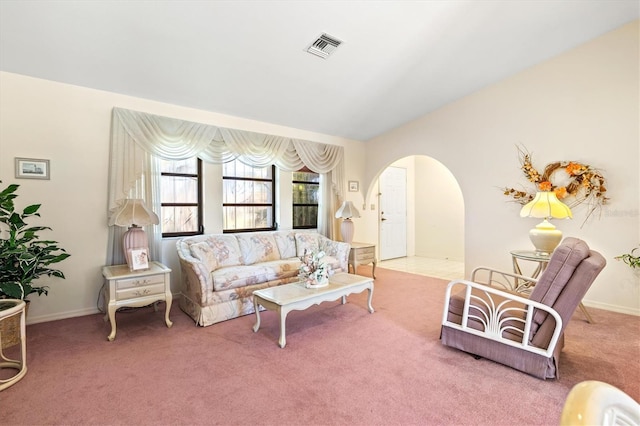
{"points": [[294, 204], [272, 204], [199, 203]]}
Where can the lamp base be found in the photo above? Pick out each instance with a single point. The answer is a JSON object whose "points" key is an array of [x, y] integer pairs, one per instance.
{"points": [[134, 238], [545, 237], [347, 230]]}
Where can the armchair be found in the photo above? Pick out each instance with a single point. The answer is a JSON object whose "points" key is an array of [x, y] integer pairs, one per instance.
{"points": [[522, 333]]}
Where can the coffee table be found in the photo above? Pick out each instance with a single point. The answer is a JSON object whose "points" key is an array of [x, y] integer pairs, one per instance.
{"points": [[295, 297]]}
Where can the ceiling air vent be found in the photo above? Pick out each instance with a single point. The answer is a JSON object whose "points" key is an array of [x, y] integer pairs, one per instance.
{"points": [[324, 46]]}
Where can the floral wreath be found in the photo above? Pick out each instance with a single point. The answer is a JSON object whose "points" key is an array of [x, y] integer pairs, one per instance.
{"points": [[574, 183]]}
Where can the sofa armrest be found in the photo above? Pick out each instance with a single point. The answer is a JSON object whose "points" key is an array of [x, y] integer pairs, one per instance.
{"points": [[338, 249], [499, 316], [196, 277]]}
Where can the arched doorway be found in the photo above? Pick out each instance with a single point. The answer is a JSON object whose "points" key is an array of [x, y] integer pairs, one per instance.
{"points": [[434, 215]]}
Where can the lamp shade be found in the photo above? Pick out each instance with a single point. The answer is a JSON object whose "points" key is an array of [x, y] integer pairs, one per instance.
{"points": [[545, 237], [347, 210], [133, 212], [546, 205]]}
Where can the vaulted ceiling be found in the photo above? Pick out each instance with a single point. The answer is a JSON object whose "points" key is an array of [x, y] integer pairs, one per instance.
{"points": [[399, 59]]}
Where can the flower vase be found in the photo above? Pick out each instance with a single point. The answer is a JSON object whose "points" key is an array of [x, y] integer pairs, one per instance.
{"points": [[314, 282]]}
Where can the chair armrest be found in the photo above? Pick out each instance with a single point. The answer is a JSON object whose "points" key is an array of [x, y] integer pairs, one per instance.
{"points": [[497, 317], [507, 280]]}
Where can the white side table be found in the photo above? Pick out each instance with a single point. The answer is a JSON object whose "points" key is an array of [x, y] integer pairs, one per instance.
{"points": [[543, 261], [362, 254], [136, 289]]}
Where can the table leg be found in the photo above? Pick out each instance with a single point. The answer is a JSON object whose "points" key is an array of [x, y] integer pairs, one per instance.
{"points": [[112, 319], [373, 270], [256, 326], [586, 314], [282, 313], [370, 298], [168, 300]]}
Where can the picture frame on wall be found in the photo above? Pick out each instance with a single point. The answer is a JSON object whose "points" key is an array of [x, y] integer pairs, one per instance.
{"points": [[32, 168], [354, 186], [139, 259]]}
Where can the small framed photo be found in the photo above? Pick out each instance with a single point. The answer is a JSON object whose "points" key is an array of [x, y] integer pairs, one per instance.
{"points": [[354, 186], [32, 168], [139, 259]]}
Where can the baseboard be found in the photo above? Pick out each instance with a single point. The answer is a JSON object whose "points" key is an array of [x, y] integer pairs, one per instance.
{"points": [[613, 308], [35, 319]]}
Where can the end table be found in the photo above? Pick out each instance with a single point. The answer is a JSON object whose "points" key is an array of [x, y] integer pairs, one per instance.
{"points": [[136, 289], [362, 254], [543, 260]]}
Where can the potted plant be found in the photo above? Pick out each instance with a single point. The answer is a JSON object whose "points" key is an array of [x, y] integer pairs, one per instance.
{"points": [[630, 259], [24, 256]]}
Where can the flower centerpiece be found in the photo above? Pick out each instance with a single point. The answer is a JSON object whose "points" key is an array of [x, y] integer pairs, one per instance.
{"points": [[314, 270]]}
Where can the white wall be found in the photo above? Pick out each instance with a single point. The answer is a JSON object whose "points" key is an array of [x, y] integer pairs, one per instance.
{"points": [[70, 126], [439, 212], [582, 105]]}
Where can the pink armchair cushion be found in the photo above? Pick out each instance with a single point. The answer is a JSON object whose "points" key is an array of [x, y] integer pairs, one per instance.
{"points": [[562, 265]]}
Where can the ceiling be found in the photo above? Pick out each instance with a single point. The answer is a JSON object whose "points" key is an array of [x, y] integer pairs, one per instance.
{"points": [[399, 59]]}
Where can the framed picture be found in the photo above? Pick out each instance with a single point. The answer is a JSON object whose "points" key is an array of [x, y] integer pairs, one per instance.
{"points": [[139, 259], [32, 168], [354, 186]]}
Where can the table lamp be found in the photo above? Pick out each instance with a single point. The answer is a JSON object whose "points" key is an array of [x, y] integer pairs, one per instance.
{"points": [[134, 214], [346, 211], [545, 237]]}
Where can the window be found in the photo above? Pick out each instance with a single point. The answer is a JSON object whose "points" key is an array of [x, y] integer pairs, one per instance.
{"points": [[181, 197], [248, 199], [306, 185]]}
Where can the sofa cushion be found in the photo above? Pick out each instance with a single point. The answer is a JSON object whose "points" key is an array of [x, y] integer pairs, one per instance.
{"points": [[244, 275], [226, 250], [307, 241], [286, 241], [258, 247], [204, 253]]}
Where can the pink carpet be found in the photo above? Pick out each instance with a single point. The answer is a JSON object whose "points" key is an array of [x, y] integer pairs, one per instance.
{"points": [[341, 365]]}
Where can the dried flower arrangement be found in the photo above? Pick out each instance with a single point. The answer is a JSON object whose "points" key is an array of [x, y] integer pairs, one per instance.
{"points": [[573, 182], [314, 270]]}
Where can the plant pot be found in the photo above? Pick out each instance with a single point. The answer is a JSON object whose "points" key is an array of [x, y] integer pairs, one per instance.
{"points": [[10, 329]]}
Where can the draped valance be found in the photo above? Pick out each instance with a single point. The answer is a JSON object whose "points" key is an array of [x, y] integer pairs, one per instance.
{"points": [[138, 139]]}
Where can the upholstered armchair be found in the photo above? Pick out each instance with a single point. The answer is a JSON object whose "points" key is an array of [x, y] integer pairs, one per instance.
{"points": [[525, 333]]}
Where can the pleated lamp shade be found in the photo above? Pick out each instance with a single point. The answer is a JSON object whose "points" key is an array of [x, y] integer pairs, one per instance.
{"points": [[134, 214]]}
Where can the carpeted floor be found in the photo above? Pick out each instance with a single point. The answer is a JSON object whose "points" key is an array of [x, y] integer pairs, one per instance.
{"points": [[341, 365]]}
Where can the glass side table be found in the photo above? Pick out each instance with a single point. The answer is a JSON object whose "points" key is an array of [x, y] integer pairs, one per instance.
{"points": [[542, 259]]}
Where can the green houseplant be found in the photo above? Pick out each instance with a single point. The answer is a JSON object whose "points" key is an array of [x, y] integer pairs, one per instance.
{"points": [[24, 256], [630, 259]]}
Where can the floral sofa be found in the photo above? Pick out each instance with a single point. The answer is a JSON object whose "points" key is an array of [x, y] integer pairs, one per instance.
{"points": [[220, 272]]}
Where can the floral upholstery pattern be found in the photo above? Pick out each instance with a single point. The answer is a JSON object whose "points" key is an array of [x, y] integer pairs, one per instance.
{"points": [[258, 247], [240, 276], [306, 241], [218, 278], [286, 241], [226, 250]]}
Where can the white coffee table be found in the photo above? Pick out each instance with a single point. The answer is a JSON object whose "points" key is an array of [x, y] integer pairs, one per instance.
{"points": [[295, 297]]}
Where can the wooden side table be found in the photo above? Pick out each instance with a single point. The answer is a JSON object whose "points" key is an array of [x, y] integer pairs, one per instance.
{"points": [[543, 260], [362, 254], [136, 289]]}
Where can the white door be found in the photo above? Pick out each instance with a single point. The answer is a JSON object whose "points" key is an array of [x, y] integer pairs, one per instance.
{"points": [[393, 213]]}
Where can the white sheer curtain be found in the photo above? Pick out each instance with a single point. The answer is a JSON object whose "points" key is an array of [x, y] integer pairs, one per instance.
{"points": [[139, 139]]}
